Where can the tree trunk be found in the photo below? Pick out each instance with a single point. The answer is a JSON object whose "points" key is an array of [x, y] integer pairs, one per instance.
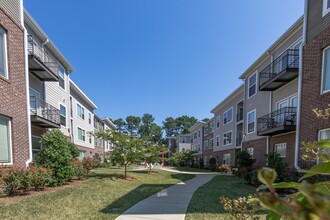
{"points": [[125, 170], [149, 168]]}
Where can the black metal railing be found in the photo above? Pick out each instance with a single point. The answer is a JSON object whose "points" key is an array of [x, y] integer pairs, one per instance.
{"points": [[288, 60], [37, 51], [278, 119], [39, 107], [239, 116], [239, 141]]}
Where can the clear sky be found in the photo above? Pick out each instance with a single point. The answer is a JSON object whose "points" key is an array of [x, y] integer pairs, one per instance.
{"points": [[163, 57]]}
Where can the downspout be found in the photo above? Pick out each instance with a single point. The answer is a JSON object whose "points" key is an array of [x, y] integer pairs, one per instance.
{"points": [[244, 114], [297, 142], [270, 103], [26, 60]]}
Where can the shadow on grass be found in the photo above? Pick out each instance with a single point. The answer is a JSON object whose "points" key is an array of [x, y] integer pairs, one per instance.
{"points": [[112, 176]]}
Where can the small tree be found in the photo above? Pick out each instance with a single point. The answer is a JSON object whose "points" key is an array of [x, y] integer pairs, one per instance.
{"points": [[245, 160], [212, 162], [275, 161], [151, 154], [183, 158], [127, 147], [57, 156]]}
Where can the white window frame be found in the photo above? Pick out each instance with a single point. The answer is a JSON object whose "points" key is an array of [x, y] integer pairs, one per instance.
{"points": [[326, 9], [83, 118], [206, 145], [83, 135], [232, 115], [6, 75], [225, 156], [216, 121], [199, 132], [250, 151], [63, 115], [231, 138], [280, 144], [211, 144], [212, 127], [256, 84], [10, 142], [218, 141], [319, 138], [323, 72], [59, 76], [247, 121], [35, 136]]}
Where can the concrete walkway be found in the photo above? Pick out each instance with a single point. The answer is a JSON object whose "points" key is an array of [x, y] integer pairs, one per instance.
{"points": [[170, 203]]}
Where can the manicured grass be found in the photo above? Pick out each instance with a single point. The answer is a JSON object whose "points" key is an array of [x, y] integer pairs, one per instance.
{"points": [[205, 201], [104, 196]]}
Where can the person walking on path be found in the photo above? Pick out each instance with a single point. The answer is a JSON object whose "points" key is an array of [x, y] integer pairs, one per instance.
{"points": [[170, 203]]}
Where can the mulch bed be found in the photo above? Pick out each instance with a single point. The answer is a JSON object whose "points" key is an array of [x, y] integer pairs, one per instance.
{"points": [[28, 194]]}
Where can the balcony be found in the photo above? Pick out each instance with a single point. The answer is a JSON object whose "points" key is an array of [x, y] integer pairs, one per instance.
{"points": [[40, 63], [239, 116], [278, 122], [44, 114], [281, 71], [239, 141]]}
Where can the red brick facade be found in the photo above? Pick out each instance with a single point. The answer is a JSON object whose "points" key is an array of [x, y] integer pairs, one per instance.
{"points": [[259, 150], [13, 90], [219, 156], [289, 139]]}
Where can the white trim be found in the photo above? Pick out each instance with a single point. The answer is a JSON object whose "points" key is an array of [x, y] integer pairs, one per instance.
{"points": [[78, 134], [232, 115], [218, 146], [255, 121], [278, 144], [231, 137], [325, 8], [256, 84], [319, 138], [81, 106], [10, 141], [6, 76], [322, 77], [217, 122]]}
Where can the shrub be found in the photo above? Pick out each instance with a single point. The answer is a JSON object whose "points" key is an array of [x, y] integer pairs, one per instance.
{"points": [[96, 160], [240, 209], [14, 180], [73, 150], [252, 178], [57, 156], [234, 170], [224, 168], [79, 169], [213, 163], [244, 159], [39, 177], [87, 163], [275, 162], [201, 163]]}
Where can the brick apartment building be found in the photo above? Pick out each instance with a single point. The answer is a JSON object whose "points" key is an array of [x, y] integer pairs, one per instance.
{"points": [[14, 117]]}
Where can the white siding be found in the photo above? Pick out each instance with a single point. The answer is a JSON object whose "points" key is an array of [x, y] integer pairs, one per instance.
{"points": [[13, 9]]}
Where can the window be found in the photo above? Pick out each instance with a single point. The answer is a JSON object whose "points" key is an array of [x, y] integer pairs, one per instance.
{"points": [[218, 141], [323, 135], [226, 159], [81, 155], [326, 7], [212, 126], [63, 115], [251, 116], [5, 140], [280, 149], [252, 85], [206, 130], [228, 116], [218, 122], [81, 134], [90, 139], [206, 145], [199, 147], [294, 101], [3, 54], [183, 139], [36, 146], [61, 73], [250, 150], [80, 111], [199, 133], [89, 118], [326, 71], [227, 138], [195, 135], [211, 143]]}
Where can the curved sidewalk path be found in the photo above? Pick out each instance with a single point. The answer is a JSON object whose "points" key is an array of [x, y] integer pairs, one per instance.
{"points": [[170, 203]]}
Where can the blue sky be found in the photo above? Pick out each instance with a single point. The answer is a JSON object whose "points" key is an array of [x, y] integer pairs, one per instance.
{"points": [[163, 57]]}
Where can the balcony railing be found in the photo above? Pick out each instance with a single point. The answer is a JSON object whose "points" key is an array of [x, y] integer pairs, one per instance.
{"points": [[277, 122], [44, 62], [283, 69], [239, 116], [43, 113]]}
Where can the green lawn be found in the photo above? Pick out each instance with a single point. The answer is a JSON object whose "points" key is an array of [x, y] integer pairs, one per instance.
{"points": [[205, 202], [104, 196]]}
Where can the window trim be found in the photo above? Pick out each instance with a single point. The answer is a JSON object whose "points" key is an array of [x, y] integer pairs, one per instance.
{"points": [[40, 143], [64, 72], [232, 115], [63, 116], [211, 141], [251, 151], [78, 133], [319, 138], [255, 121], [83, 118], [322, 77], [216, 123], [6, 76], [223, 158], [231, 137], [256, 83], [217, 138], [11, 162], [325, 8], [275, 150]]}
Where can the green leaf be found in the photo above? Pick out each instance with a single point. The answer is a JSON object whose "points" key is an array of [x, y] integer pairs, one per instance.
{"points": [[323, 188], [322, 169], [284, 185], [267, 175], [273, 216]]}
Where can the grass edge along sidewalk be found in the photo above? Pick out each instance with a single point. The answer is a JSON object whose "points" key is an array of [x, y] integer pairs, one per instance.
{"points": [[104, 196]]}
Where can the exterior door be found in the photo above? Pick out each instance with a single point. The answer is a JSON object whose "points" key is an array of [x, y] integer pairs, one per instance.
{"points": [[281, 111], [34, 103]]}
